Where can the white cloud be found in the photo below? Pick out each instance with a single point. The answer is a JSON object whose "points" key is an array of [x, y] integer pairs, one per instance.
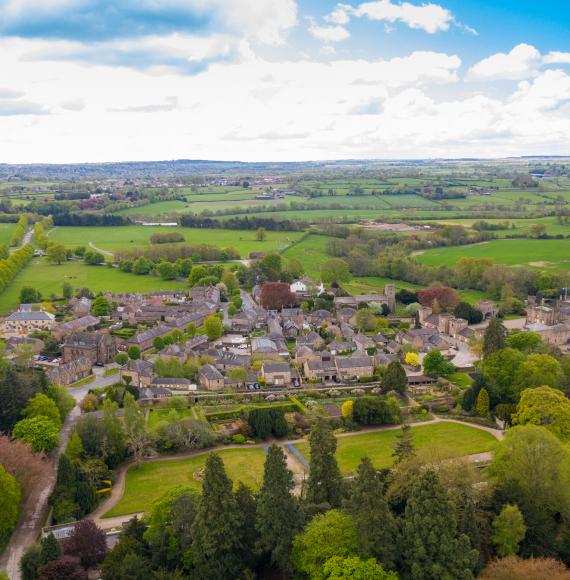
{"points": [[257, 108], [520, 63], [429, 17], [340, 15], [329, 33], [557, 58]]}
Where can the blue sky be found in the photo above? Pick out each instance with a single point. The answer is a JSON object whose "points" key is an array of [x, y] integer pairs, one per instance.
{"points": [[103, 80]]}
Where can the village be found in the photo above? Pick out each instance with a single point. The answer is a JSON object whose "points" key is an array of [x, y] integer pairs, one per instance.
{"points": [[255, 350]]}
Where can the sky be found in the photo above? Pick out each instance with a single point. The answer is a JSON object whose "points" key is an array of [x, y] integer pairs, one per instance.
{"points": [[282, 80]]}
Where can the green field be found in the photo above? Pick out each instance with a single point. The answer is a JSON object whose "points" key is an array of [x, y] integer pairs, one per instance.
{"points": [[6, 231], [158, 416], [148, 482], [444, 439], [113, 239], [49, 280], [547, 254], [311, 253]]}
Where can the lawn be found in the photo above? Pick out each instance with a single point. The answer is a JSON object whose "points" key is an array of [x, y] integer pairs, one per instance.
{"points": [[157, 416], [6, 231], [112, 239], [446, 439], [49, 279], [550, 254], [148, 482]]}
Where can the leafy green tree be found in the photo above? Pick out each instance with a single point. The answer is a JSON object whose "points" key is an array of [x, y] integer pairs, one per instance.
{"points": [[230, 281], [526, 342], [431, 547], [508, 530], [213, 327], [29, 295], [325, 484], [115, 437], [335, 270], [547, 407], [101, 306], [278, 511], [197, 274], [238, 375], [436, 365], [531, 468], [56, 254], [50, 549], [216, 546], [404, 447], [372, 410], [537, 370], [62, 398], [122, 359], [354, 568], [375, 525], [395, 378], [42, 406], [271, 266], [93, 258], [31, 562], [9, 503], [500, 370], [365, 320], [166, 270], [67, 290], [39, 432], [137, 436], [74, 448], [260, 234], [482, 403], [294, 268], [158, 343], [330, 534], [134, 352], [495, 337]]}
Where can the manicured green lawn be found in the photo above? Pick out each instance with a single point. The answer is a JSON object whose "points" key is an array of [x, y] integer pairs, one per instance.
{"points": [[148, 482], [462, 380], [550, 254], [113, 239], [49, 279], [157, 416], [446, 439]]}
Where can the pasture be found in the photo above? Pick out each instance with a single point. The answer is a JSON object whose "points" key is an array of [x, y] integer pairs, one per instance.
{"points": [[49, 279], [311, 253], [441, 440], [146, 483], [543, 254], [112, 239], [6, 231]]}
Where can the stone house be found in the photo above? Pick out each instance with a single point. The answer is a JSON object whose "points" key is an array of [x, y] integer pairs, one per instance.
{"points": [[211, 378], [26, 321], [98, 347], [70, 372], [140, 371], [275, 373], [176, 384], [353, 367]]}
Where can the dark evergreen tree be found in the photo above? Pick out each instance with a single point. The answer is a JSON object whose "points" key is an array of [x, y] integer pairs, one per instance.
{"points": [[374, 522], [470, 395], [66, 472], [494, 338], [431, 548], [50, 549], [404, 447], [395, 378], [133, 567], [278, 511], [216, 546], [247, 509], [325, 484], [183, 514]]}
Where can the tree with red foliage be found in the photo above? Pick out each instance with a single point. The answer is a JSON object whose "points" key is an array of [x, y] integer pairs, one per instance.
{"points": [[66, 567], [87, 542], [276, 295], [446, 297], [26, 466]]}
